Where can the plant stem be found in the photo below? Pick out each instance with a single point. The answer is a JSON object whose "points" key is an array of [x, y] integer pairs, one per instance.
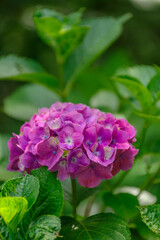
{"points": [[89, 205], [11, 235], [74, 197], [142, 138], [1, 237], [140, 147], [149, 182]]}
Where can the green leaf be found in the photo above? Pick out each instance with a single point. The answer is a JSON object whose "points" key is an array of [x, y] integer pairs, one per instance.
{"points": [[26, 70], [104, 226], [26, 100], [3, 229], [140, 92], [27, 187], [151, 217], [102, 33], [44, 228], [143, 73], [154, 86], [60, 32], [124, 204], [149, 117], [50, 199], [144, 231], [12, 210]]}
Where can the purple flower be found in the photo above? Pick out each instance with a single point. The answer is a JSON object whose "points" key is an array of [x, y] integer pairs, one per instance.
{"points": [[124, 159], [125, 126], [28, 161], [38, 134], [92, 175], [77, 159], [49, 152], [69, 138], [120, 139], [15, 152], [74, 140], [61, 167]]}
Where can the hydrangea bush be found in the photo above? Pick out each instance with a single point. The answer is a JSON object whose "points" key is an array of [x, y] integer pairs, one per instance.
{"points": [[79, 143], [76, 141]]}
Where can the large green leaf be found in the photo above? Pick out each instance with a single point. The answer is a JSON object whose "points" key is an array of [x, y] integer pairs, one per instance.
{"points": [[124, 204], [141, 93], [154, 86], [63, 33], [27, 187], [102, 33], [26, 100], [12, 210], [50, 199], [151, 217], [143, 73], [26, 70], [105, 226], [44, 228]]}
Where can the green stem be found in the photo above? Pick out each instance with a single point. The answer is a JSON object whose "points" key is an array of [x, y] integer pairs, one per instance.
{"points": [[1, 237], [89, 205], [60, 64], [149, 182], [140, 147], [142, 138], [11, 235], [74, 197]]}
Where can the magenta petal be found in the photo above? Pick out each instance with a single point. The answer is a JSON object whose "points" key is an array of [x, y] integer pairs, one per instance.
{"points": [[124, 125], [61, 167], [27, 159], [126, 158], [96, 153], [49, 152], [38, 134], [69, 138], [93, 175], [104, 136], [55, 124], [77, 159], [90, 137], [88, 179], [15, 149]]}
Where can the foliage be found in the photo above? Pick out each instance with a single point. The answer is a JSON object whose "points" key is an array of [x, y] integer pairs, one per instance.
{"points": [[27, 206]]}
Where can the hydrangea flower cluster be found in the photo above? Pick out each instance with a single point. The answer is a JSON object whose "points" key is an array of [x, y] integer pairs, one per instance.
{"points": [[74, 140]]}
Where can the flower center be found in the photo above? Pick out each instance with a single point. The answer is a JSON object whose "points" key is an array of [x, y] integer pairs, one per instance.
{"points": [[112, 141], [98, 139], [54, 152], [73, 160], [88, 143], [69, 140], [62, 163], [96, 153]]}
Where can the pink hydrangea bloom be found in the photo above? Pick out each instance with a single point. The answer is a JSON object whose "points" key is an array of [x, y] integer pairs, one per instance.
{"points": [[74, 140]]}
